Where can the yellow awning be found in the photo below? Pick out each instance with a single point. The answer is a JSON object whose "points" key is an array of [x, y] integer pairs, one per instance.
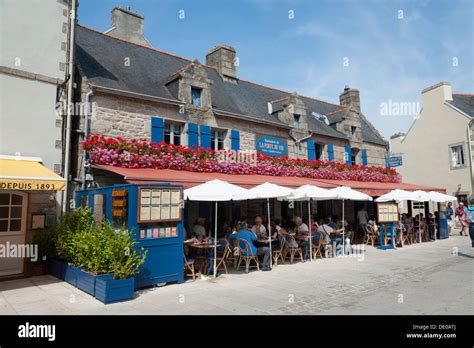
{"points": [[28, 175]]}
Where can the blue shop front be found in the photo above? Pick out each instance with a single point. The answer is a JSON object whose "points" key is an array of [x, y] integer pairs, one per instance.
{"points": [[154, 212]]}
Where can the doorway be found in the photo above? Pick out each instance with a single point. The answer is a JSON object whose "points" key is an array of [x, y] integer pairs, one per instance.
{"points": [[12, 228]]}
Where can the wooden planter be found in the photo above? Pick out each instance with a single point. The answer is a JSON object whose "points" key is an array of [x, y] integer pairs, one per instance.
{"points": [[71, 274], [38, 268], [57, 268], [87, 281], [108, 290]]}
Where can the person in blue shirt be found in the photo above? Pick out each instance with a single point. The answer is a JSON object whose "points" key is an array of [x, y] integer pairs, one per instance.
{"points": [[249, 236]]}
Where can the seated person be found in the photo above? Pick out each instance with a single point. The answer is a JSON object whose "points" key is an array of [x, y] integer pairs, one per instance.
{"points": [[199, 231], [302, 236], [249, 236], [331, 235], [259, 229], [430, 222], [331, 223], [373, 225]]}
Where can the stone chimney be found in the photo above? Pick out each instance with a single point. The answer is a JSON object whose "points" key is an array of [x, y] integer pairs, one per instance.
{"points": [[350, 97], [440, 92], [222, 58], [128, 25]]}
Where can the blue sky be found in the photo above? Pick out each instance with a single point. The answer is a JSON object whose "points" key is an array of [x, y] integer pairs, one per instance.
{"points": [[391, 55]]}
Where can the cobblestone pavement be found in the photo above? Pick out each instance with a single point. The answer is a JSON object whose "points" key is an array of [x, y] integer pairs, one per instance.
{"points": [[431, 278]]}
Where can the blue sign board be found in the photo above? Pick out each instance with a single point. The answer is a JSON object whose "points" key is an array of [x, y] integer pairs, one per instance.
{"points": [[271, 146], [394, 161]]}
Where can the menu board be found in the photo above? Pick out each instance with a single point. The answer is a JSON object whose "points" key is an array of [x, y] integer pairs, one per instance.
{"points": [[387, 212], [159, 204]]}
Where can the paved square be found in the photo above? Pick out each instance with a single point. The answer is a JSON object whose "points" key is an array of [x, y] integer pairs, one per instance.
{"points": [[431, 278]]}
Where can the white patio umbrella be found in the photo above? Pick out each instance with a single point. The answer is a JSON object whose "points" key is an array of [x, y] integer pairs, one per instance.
{"points": [[215, 191], [267, 191], [396, 195], [309, 192], [346, 193], [420, 196]]}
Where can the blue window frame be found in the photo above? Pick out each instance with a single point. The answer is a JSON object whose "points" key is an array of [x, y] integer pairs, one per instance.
{"points": [[196, 96]]}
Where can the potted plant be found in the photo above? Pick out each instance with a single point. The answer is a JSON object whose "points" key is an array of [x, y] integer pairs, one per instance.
{"points": [[125, 262], [44, 242], [92, 254]]}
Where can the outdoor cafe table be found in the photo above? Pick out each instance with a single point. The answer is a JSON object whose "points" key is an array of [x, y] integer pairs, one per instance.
{"points": [[263, 242], [206, 247]]}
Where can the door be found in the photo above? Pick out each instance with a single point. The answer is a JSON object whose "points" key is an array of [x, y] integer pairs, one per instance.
{"points": [[12, 230]]}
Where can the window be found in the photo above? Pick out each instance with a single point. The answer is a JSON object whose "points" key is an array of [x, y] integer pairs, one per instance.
{"points": [[217, 139], [457, 158], [353, 132], [196, 96], [319, 151], [296, 121], [11, 212], [173, 133], [354, 153]]}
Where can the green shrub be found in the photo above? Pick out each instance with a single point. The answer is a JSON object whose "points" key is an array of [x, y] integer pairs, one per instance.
{"points": [[45, 242], [96, 247]]}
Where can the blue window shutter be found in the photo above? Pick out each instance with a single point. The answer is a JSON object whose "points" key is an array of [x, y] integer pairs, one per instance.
{"points": [[205, 136], [311, 151], [364, 157], [235, 140], [157, 134], [348, 155], [193, 137], [331, 152]]}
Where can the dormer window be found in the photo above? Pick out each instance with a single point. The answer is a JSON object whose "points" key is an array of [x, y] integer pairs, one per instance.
{"points": [[196, 96], [296, 121], [353, 132]]}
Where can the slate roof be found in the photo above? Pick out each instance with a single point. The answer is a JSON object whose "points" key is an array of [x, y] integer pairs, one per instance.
{"points": [[464, 102], [100, 57]]}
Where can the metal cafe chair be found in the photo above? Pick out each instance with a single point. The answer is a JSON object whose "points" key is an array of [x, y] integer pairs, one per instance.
{"points": [[245, 255]]}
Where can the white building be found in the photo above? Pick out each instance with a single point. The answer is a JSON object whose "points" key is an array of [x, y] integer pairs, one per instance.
{"points": [[438, 148]]}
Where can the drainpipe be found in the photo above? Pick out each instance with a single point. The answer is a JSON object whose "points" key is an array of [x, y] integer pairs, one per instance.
{"points": [[86, 136], [70, 91]]}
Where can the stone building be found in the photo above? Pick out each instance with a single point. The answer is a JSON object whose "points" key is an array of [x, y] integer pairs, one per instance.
{"points": [[139, 91]]}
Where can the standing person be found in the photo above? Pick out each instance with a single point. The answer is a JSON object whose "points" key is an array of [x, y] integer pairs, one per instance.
{"points": [[459, 212], [259, 229], [464, 222], [363, 217], [469, 218], [449, 216]]}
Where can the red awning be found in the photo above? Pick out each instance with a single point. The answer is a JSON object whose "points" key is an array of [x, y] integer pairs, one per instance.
{"points": [[190, 179]]}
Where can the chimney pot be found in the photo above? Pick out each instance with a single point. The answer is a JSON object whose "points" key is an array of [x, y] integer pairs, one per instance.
{"points": [[350, 98]]}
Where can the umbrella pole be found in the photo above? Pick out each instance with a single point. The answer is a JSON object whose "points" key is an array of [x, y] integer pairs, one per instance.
{"points": [[343, 229], [215, 243], [310, 236], [269, 232]]}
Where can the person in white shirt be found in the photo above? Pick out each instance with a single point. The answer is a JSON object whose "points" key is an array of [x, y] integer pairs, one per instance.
{"points": [[334, 239], [302, 236], [259, 229], [199, 231]]}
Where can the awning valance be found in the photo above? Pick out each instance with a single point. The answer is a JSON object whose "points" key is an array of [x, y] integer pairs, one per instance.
{"points": [[28, 175], [190, 179]]}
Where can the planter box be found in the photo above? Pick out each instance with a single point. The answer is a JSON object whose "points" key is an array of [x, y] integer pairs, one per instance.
{"points": [[71, 274], [108, 290], [87, 281], [57, 268], [38, 268]]}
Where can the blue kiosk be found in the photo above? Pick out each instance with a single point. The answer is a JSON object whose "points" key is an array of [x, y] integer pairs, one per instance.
{"points": [[387, 216], [154, 212]]}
